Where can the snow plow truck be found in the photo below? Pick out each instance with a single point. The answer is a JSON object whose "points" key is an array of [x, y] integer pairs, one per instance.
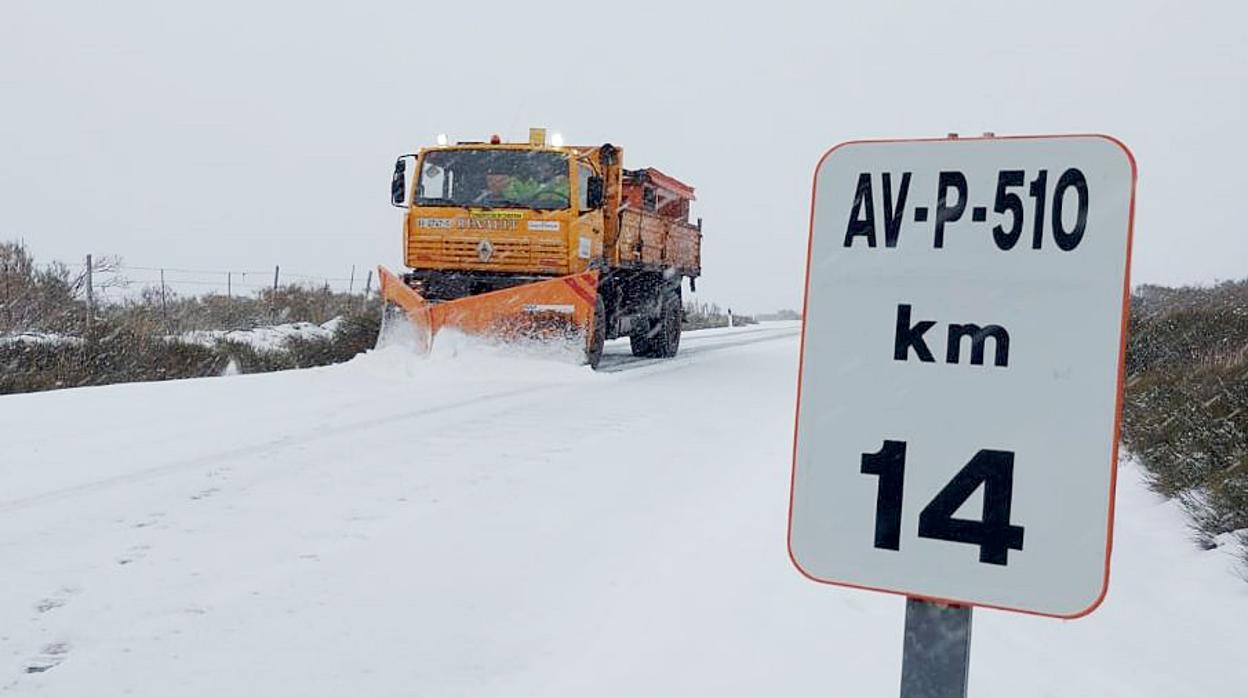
{"points": [[538, 240]]}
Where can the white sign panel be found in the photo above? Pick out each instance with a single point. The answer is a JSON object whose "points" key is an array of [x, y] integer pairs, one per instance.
{"points": [[961, 374]]}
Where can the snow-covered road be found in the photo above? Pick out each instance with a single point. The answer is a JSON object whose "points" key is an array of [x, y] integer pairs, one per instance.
{"points": [[482, 525]]}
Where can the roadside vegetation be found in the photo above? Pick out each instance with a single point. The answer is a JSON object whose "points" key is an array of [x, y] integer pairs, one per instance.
{"points": [[1185, 414], [52, 336], [700, 315]]}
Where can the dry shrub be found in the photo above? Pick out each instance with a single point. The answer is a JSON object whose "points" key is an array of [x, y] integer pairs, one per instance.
{"points": [[1185, 413]]}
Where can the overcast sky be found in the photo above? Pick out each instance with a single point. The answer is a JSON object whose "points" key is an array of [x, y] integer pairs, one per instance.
{"points": [[239, 135]]}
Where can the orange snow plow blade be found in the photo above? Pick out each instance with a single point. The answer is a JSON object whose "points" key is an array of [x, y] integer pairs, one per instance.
{"points": [[558, 309]]}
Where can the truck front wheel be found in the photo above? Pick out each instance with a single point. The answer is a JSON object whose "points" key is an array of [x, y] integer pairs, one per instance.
{"points": [[668, 337]]}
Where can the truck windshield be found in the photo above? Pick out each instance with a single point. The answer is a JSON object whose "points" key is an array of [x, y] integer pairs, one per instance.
{"points": [[494, 179]]}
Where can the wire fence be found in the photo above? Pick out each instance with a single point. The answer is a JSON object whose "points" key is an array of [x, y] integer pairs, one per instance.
{"points": [[72, 299], [117, 280]]}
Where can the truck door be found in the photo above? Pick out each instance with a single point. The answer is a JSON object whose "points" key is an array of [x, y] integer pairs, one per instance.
{"points": [[586, 243]]}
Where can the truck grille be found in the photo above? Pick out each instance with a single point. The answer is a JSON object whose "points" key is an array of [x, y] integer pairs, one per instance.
{"points": [[510, 254]]}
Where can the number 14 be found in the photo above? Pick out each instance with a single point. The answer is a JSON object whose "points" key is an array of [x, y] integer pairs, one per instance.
{"points": [[994, 534]]}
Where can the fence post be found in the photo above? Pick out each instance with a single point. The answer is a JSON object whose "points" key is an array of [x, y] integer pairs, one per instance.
{"points": [[164, 310], [90, 297], [273, 296], [8, 300], [368, 288], [351, 283]]}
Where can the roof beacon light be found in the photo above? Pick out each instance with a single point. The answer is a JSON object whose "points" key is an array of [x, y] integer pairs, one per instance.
{"points": [[496, 139], [442, 139], [556, 139]]}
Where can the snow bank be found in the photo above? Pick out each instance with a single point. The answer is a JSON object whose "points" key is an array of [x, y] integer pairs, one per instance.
{"points": [[270, 338], [40, 338]]}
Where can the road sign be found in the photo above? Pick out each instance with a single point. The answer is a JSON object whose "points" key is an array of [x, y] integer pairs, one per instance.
{"points": [[961, 372]]}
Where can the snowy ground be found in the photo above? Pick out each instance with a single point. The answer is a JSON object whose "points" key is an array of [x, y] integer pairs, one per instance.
{"points": [[265, 338], [270, 337], [38, 338], [484, 526]]}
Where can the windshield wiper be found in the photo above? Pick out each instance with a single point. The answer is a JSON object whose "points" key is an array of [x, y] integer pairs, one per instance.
{"points": [[434, 201]]}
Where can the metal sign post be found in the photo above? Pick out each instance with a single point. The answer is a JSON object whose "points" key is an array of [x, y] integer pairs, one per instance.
{"points": [[936, 652]]}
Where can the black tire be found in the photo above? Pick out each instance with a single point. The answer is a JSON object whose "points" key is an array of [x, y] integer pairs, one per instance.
{"points": [[641, 341], [667, 338], [660, 338], [597, 334]]}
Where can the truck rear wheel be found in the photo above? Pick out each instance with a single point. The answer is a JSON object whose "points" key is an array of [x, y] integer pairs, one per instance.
{"points": [[641, 342], [660, 338]]}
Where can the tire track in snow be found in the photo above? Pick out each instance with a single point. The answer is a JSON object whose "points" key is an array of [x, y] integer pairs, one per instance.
{"points": [[619, 363], [270, 446]]}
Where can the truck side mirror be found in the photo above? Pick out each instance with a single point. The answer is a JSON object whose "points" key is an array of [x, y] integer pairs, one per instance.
{"points": [[593, 192], [398, 183]]}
